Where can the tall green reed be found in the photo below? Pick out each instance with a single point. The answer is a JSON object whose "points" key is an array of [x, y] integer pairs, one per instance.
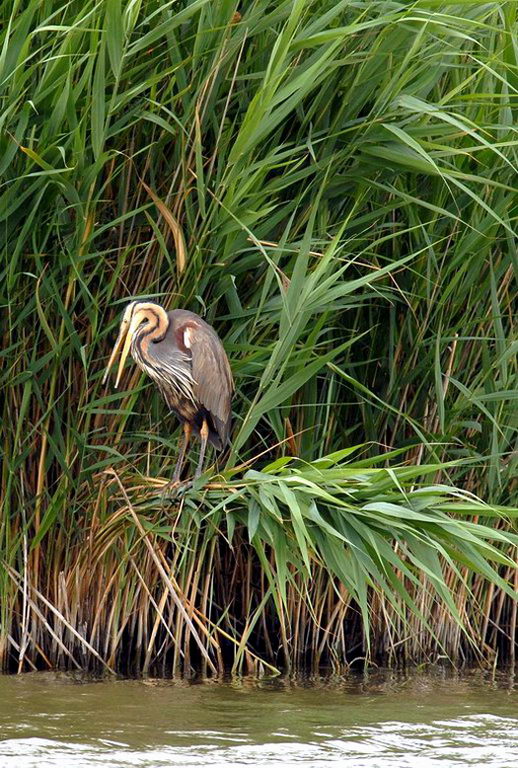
{"points": [[332, 185]]}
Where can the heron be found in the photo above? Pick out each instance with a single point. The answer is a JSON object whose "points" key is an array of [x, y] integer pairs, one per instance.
{"points": [[185, 358]]}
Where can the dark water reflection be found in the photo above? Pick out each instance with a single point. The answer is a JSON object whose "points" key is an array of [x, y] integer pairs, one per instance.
{"points": [[425, 719]]}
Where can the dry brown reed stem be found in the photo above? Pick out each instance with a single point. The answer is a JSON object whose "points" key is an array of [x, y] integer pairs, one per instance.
{"points": [[64, 622], [167, 581]]}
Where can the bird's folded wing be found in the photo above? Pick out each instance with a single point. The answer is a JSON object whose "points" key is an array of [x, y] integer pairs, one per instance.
{"points": [[213, 383]]}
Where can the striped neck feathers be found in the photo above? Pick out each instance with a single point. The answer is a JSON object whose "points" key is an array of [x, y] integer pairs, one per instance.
{"points": [[149, 321]]}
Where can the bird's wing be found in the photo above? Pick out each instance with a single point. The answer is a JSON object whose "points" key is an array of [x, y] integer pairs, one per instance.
{"points": [[213, 383]]}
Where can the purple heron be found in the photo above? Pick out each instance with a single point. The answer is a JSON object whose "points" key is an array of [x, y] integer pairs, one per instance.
{"points": [[185, 358]]}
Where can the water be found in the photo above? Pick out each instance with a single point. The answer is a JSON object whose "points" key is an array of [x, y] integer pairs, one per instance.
{"points": [[383, 720]]}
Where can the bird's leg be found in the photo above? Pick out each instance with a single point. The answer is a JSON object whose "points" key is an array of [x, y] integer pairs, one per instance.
{"points": [[204, 434], [187, 430], [175, 482]]}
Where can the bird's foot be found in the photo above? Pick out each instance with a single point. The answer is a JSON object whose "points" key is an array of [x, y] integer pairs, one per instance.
{"points": [[171, 488], [175, 488]]}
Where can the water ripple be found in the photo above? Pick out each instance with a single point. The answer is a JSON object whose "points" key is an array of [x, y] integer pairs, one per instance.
{"points": [[474, 740]]}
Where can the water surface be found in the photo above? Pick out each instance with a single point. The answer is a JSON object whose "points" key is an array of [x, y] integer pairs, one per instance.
{"points": [[380, 720]]}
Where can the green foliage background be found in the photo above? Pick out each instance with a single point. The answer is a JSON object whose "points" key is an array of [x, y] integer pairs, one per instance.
{"points": [[333, 186]]}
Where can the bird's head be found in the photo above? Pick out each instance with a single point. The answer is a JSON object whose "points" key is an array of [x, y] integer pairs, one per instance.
{"points": [[136, 313]]}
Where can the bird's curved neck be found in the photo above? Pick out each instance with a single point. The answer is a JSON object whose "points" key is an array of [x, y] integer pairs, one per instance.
{"points": [[155, 323]]}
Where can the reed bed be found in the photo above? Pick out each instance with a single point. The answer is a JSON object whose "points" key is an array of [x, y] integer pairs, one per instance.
{"points": [[333, 186]]}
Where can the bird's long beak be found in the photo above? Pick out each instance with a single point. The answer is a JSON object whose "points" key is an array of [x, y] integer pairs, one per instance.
{"points": [[122, 335], [125, 351], [128, 327]]}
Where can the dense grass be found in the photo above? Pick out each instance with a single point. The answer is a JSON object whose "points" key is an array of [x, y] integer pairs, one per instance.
{"points": [[333, 185]]}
